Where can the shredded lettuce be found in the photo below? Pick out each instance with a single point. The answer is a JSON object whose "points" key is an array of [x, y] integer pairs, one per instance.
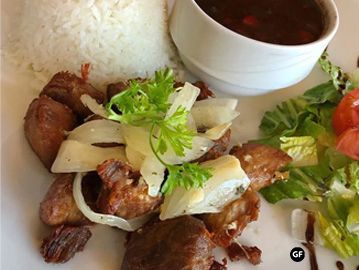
{"points": [[340, 79], [302, 149], [302, 127], [354, 78], [303, 183], [347, 178], [337, 237], [353, 218]]}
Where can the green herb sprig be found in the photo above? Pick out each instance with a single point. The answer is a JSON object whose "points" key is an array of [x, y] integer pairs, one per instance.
{"points": [[145, 103]]}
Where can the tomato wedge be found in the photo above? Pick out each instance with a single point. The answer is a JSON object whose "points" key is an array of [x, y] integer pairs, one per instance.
{"points": [[346, 114], [348, 143]]}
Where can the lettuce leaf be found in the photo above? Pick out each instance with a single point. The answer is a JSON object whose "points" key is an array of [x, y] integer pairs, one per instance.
{"points": [[284, 119], [353, 218], [303, 183], [306, 115], [340, 79], [302, 149], [354, 78], [322, 93], [336, 236], [346, 179]]}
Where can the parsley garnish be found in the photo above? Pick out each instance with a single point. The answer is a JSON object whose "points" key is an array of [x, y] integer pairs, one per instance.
{"points": [[146, 104]]}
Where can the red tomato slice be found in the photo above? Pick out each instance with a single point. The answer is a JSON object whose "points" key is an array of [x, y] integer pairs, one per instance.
{"points": [[346, 114], [348, 143]]}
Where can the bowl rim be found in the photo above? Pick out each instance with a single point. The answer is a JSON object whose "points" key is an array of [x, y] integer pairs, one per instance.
{"points": [[330, 32]]}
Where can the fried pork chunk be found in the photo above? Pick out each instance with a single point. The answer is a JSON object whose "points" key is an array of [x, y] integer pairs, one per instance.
{"points": [[123, 193], [59, 207], [67, 88], [261, 163], [182, 243], [46, 122], [234, 217], [218, 149], [64, 242]]}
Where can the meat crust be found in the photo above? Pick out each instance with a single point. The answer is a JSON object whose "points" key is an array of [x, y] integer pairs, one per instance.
{"points": [[260, 162], [64, 241], [218, 149], [234, 217], [123, 193], [46, 121], [182, 243], [67, 88]]}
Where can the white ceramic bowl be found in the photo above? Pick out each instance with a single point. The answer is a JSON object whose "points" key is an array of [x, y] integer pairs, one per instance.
{"points": [[239, 65]]}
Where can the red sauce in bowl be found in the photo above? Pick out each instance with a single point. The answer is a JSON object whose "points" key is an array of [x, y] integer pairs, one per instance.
{"points": [[286, 22]]}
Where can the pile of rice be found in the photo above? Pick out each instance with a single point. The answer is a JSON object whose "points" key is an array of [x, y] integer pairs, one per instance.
{"points": [[121, 39]]}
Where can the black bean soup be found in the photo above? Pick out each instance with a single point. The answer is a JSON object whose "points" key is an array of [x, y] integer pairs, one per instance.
{"points": [[286, 22]]}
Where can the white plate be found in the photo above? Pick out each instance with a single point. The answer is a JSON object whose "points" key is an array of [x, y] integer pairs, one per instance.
{"points": [[24, 180]]}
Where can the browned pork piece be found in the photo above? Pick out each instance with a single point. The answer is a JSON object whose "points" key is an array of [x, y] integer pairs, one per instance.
{"points": [[219, 266], [218, 149], [261, 163], [67, 88], [123, 192], [205, 91], [234, 217], [182, 243], [237, 251], [46, 121], [59, 207], [64, 241]]}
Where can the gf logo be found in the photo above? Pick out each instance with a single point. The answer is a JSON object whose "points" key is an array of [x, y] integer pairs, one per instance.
{"points": [[297, 254]]}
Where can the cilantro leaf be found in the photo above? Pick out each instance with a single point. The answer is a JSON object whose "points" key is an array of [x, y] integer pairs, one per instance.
{"points": [[143, 102], [187, 175], [174, 131]]}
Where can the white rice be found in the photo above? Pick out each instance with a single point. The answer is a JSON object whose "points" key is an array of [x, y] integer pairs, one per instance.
{"points": [[121, 39]]}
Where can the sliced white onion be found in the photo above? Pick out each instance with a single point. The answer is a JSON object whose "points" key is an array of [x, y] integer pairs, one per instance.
{"points": [[212, 116], [230, 103], [74, 156], [138, 138], [111, 220], [299, 222], [153, 173], [228, 183], [217, 132], [93, 106], [134, 157], [191, 124], [200, 146], [185, 98], [98, 131]]}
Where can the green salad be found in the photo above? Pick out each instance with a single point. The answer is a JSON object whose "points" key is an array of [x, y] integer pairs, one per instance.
{"points": [[325, 167]]}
